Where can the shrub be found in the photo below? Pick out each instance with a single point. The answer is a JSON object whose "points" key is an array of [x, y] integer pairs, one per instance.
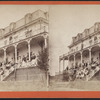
{"points": [[43, 59]]}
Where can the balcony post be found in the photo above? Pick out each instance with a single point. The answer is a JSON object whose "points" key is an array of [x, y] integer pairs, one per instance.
{"points": [[63, 63], [40, 24], [45, 40], [68, 61], [16, 53], [29, 49], [59, 65], [5, 55], [81, 57], [90, 55], [74, 60]]}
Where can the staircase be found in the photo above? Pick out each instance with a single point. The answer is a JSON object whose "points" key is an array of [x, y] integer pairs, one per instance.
{"points": [[24, 74], [92, 73], [23, 79], [7, 73]]}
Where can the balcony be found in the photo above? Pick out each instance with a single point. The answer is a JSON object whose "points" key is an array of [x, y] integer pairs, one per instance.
{"points": [[22, 36]]}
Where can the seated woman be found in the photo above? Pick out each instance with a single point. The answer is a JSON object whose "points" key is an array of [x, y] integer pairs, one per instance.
{"points": [[1, 71], [23, 64], [93, 65], [33, 56], [86, 71], [33, 61], [96, 69], [8, 65], [81, 75], [0, 64], [12, 62], [19, 62], [78, 74], [27, 57], [24, 58], [6, 71], [97, 61], [28, 63]]}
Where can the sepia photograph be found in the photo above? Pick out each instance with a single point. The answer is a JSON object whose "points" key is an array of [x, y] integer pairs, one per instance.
{"points": [[50, 48]]}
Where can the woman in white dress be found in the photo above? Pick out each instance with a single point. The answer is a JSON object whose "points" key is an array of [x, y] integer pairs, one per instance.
{"points": [[34, 61], [19, 62], [23, 64]]}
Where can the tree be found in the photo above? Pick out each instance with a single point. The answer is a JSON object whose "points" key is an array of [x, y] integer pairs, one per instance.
{"points": [[43, 59]]}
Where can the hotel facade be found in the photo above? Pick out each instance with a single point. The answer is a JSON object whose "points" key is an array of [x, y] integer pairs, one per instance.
{"points": [[85, 47], [29, 34]]}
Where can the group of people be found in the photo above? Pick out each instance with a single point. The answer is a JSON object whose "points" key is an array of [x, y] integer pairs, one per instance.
{"points": [[81, 71], [22, 62], [26, 62]]}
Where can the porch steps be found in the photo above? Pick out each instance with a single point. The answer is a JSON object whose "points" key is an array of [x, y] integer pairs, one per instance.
{"points": [[25, 74], [92, 73]]}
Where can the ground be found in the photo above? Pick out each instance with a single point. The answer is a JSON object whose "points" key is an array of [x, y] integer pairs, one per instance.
{"points": [[57, 86]]}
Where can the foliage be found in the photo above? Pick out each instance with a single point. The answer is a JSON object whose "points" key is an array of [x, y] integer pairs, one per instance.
{"points": [[43, 59]]}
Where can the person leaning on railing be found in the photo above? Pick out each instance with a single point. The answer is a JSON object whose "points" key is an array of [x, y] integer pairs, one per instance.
{"points": [[1, 71], [23, 61], [19, 62], [12, 62]]}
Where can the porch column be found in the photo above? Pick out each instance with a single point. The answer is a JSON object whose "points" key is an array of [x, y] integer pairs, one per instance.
{"points": [[16, 53], [63, 63], [68, 61], [59, 65], [90, 55], [45, 40], [40, 24], [74, 60], [29, 50], [81, 57], [5, 55]]}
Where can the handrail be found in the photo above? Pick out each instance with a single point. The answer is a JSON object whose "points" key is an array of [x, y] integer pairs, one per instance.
{"points": [[7, 73], [92, 73], [23, 36], [13, 68]]}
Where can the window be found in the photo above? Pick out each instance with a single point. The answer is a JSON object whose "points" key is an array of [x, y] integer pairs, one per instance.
{"points": [[82, 45], [76, 48], [95, 39], [16, 37], [10, 39], [5, 42], [90, 41]]}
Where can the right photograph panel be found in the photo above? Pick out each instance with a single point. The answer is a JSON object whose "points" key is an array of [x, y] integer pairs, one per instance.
{"points": [[74, 47]]}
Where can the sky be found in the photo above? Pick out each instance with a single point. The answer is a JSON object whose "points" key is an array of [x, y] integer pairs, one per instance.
{"points": [[12, 13], [65, 21], [69, 20]]}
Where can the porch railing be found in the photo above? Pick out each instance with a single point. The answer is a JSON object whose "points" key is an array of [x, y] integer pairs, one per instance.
{"points": [[7, 73], [92, 73]]}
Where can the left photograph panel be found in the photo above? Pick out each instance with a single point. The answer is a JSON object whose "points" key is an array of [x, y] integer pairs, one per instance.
{"points": [[24, 52]]}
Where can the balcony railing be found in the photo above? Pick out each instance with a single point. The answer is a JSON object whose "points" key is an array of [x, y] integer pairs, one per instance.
{"points": [[27, 34], [6, 72]]}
